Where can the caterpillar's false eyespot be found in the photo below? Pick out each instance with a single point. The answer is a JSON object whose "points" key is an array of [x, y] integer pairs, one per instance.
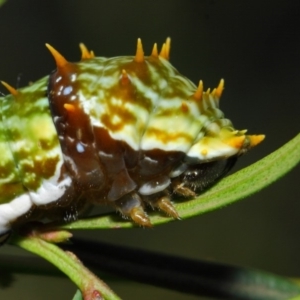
{"points": [[126, 131]]}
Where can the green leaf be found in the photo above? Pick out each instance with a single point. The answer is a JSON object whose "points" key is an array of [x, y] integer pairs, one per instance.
{"points": [[230, 189], [68, 263], [77, 296], [197, 277]]}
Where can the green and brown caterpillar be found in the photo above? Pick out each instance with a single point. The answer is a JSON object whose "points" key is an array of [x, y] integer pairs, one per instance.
{"points": [[128, 131]]}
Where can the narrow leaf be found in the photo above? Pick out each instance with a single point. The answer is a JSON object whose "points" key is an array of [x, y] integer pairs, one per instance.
{"points": [[69, 264], [77, 296]]}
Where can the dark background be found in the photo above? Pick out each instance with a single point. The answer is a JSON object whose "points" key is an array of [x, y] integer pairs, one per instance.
{"points": [[254, 45]]}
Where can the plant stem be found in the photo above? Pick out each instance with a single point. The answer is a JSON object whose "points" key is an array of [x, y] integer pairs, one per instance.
{"points": [[69, 264]]}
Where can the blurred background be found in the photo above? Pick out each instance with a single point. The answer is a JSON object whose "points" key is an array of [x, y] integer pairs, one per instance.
{"points": [[254, 45]]}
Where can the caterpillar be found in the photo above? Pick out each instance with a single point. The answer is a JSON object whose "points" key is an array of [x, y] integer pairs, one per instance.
{"points": [[127, 131]]}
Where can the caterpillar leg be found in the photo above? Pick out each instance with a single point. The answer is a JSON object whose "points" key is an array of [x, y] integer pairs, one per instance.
{"points": [[181, 189], [131, 206], [162, 201]]}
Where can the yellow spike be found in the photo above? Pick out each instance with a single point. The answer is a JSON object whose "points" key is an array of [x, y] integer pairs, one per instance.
{"points": [[11, 89], [214, 92], [199, 92], [124, 74], [255, 139], [92, 54], [85, 53], [236, 141], [163, 51], [59, 59], [139, 56], [124, 77], [154, 51], [184, 107], [168, 47], [220, 88], [208, 91]]}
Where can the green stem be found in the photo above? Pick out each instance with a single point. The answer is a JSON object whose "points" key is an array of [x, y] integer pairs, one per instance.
{"points": [[69, 264]]}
